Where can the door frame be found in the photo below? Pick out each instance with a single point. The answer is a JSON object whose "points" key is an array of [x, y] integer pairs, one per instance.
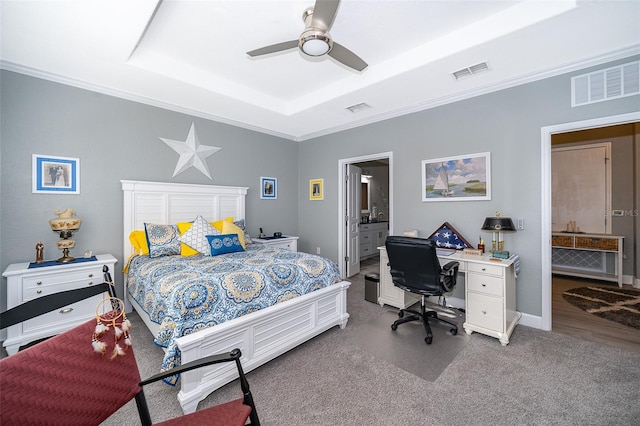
{"points": [[545, 194], [342, 190]]}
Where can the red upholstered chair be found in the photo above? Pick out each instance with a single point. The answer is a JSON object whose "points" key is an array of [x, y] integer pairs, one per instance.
{"points": [[63, 381]]}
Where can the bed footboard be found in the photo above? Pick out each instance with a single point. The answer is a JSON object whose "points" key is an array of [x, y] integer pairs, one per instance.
{"points": [[261, 336]]}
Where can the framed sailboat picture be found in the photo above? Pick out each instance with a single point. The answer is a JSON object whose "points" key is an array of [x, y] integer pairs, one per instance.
{"points": [[461, 178]]}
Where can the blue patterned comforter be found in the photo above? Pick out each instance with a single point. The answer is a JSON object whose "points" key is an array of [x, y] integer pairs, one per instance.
{"points": [[187, 294]]}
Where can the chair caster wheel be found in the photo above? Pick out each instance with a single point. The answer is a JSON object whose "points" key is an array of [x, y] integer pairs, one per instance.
{"points": [[394, 327], [454, 331], [428, 339]]}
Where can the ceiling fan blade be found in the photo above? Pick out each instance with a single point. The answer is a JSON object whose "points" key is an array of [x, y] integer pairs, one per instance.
{"points": [[274, 48], [324, 12], [347, 57]]}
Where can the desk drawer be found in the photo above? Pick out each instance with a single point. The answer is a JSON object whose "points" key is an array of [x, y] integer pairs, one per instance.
{"points": [[483, 268], [486, 284], [485, 311]]}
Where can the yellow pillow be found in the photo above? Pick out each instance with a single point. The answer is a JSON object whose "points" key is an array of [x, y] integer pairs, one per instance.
{"points": [[185, 250], [230, 228], [138, 240], [218, 224]]}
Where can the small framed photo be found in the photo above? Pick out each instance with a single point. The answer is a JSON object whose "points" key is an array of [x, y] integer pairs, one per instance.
{"points": [[268, 188], [316, 191], [55, 175], [460, 178]]}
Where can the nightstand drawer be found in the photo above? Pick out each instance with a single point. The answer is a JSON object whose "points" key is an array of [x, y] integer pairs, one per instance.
{"points": [[482, 268], [485, 284], [63, 277], [63, 317], [30, 293], [485, 311]]}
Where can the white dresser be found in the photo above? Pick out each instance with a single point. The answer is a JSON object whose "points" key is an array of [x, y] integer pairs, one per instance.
{"points": [[24, 284], [286, 242], [490, 293]]}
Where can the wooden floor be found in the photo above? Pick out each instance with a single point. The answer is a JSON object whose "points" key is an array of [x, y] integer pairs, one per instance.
{"points": [[568, 319]]}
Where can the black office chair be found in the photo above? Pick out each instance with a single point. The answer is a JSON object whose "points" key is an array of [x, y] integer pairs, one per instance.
{"points": [[415, 268]]}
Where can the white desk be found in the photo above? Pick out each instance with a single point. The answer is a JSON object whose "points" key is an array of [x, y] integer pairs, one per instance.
{"points": [[490, 293]]}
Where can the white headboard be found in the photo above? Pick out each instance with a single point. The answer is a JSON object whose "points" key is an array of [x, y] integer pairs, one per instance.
{"points": [[170, 203]]}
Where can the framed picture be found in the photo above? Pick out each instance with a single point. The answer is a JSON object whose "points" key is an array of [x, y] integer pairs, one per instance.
{"points": [[316, 191], [55, 175], [268, 188], [461, 178]]}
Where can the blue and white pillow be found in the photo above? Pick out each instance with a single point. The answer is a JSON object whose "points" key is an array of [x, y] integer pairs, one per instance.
{"points": [[196, 236], [163, 240], [224, 243]]}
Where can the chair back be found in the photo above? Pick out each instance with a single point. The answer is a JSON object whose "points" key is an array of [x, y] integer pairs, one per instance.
{"points": [[63, 381], [414, 265]]}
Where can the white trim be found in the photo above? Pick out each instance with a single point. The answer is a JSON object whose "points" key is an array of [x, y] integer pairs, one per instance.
{"points": [[545, 194], [593, 61], [341, 201]]}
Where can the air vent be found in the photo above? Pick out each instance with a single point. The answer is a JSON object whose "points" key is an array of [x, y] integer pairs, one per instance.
{"points": [[469, 71], [358, 107], [603, 85]]}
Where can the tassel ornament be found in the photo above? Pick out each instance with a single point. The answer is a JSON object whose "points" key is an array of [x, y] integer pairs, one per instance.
{"points": [[106, 320], [117, 351]]}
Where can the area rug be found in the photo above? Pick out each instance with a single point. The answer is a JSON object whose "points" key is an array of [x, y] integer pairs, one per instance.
{"points": [[405, 348], [615, 304]]}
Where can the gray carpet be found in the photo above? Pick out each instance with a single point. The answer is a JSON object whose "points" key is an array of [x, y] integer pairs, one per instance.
{"points": [[540, 378]]}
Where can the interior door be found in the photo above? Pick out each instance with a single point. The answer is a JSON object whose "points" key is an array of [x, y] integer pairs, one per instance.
{"points": [[353, 194], [581, 190]]}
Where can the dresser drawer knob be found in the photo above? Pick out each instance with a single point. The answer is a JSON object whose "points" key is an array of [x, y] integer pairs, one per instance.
{"points": [[39, 291], [484, 269], [66, 310], [484, 285], [39, 283], [90, 275], [484, 312], [90, 283]]}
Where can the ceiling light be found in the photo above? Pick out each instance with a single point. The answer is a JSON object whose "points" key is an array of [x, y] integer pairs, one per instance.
{"points": [[315, 42]]}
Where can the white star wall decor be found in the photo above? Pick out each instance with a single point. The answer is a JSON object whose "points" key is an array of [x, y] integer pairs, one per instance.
{"points": [[191, 152]]}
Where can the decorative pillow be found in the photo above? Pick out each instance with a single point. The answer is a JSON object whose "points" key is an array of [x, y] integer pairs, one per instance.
{"points": [[138, 240], [218, 223], [163, 240], [185, 250], [247, 237], [196, 236], [225, 243], [230, 228]]}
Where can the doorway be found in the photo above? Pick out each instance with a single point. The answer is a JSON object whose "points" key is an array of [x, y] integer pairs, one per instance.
{"points": [[348, 234], [546, 198]]}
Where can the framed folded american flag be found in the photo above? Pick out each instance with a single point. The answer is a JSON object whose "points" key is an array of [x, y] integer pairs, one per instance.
{"points": [[448, 238]]}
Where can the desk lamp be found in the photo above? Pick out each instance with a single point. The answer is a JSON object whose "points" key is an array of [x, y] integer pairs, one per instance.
{"points": [[498, 225]]}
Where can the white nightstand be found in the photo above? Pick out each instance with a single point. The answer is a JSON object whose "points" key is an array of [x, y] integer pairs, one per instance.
{"points": [[286, 242], [24, 284]]}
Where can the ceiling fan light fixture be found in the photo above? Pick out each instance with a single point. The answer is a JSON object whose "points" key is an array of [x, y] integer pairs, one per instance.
{"points": [[315, 43]]}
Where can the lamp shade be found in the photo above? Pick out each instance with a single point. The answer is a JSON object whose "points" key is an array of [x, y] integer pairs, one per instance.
{"points": [[498, 223]]}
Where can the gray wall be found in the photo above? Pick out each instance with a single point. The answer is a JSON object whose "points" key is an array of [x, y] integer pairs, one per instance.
{"points": [[118, 139], [506, 123]]}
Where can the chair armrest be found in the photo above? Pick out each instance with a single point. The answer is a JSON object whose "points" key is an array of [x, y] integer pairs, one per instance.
{"points": [[450, 267], [232, 356]]}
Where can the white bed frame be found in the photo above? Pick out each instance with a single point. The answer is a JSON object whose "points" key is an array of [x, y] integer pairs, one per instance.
{"points": [[262, 335]]}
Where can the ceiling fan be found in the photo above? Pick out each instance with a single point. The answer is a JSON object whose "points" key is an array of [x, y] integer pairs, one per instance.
{"points": [[315, 40]]}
